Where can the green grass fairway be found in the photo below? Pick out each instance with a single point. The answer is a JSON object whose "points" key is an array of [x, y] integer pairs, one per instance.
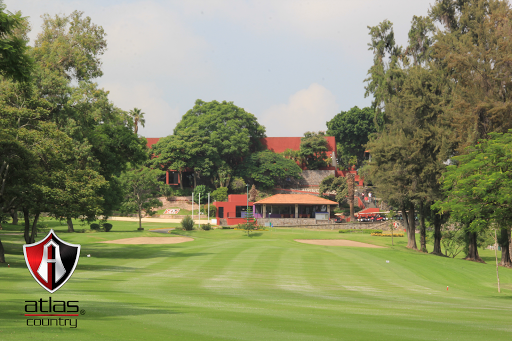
{"points": [[227, 286]]}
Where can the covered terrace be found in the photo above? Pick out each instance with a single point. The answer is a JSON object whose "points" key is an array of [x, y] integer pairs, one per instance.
{"points": [[293, 209]]}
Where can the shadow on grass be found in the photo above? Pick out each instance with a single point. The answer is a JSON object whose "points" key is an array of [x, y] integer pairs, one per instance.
{"points": [[130, 252]]}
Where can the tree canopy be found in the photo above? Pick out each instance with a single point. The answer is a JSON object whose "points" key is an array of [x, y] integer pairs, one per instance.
{"points": [[65, 141], [212, 138], [313, 150], [479, 189], [15, 61], [352, 130], [267, 169]]}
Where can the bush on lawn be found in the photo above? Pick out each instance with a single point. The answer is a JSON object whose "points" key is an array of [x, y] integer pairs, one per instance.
{"points": [[95, 227], [107, 227], [206, 227], [187, 223]]}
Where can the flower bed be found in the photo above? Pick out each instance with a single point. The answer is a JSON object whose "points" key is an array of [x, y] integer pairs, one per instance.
{"points": [[367, 231], [387, 234]]}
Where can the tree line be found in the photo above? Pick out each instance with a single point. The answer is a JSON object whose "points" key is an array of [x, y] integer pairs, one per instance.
{"points": [[63, 143], [442, 112]]}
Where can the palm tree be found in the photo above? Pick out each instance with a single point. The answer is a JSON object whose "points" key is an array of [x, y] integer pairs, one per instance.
{"points": [[138, 117]]}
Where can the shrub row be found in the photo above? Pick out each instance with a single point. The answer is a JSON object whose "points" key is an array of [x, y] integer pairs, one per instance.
{"points": [[188, 224], [368, 231]]}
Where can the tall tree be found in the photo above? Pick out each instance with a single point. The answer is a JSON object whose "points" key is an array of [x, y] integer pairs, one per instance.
{"points": [[58, 105], [223, 134], [408, 152], [68, 54], [351, 129], [16, 64], [141, 188], [472, 46], [138, 117]]}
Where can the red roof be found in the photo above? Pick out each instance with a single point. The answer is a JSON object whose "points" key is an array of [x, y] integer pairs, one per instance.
{"points": [[276, 144], [302, 199], [280, 144], [152, 141]]}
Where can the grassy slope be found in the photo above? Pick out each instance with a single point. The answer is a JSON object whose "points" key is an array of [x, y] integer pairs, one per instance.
{"points": [[227, 286]]}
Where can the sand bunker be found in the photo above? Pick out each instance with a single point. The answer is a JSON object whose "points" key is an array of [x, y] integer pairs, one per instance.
{"points": [[336, 242], [151, 240]]}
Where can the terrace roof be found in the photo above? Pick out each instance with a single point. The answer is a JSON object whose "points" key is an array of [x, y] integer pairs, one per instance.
{"points": [[302, 199]]}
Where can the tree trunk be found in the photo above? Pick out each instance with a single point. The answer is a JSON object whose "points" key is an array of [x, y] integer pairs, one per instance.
{"points": [[471, 239], [351, 192], [140, 218], [411, 233], [2, 253], [26, 232], [34, 229], [505, 248], [437, 235], [195, 179], [180, 179], [423, 229], [14, 216], [70, 224], [404, 217], [352, 217]]}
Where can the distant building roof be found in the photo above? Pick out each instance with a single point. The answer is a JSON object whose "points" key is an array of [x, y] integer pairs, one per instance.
{"points": [[302, 199], [280, 144], [276, 144], [152, 141]]}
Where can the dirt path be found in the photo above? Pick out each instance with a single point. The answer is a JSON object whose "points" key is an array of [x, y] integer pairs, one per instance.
{"points": [[337, 242]]}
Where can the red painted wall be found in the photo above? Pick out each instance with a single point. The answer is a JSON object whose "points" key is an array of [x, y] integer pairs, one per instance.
{"points": [[234, 200]]}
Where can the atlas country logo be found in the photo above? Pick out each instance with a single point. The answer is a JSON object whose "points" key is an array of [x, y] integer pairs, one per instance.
{"points": [[51, 261]]}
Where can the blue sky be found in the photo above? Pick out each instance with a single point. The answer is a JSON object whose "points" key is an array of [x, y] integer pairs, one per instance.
{"points": [[293, 64]]}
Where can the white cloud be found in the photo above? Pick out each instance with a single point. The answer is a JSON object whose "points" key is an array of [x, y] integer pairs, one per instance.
{"points": [[148, 40], [160, 117], [307, 110]]}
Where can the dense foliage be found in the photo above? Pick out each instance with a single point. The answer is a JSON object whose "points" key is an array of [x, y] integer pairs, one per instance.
{"points": [[63, 142], [212, 139], [313, 150], [448, 88], [267, 169], [352, 130]]}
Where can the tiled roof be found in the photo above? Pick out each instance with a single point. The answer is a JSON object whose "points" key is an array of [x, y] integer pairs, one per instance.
{"points": [[302, 199], [152, 140]]}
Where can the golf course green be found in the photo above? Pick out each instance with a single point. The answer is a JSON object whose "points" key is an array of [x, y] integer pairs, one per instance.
{"points": [[224, 285]]}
